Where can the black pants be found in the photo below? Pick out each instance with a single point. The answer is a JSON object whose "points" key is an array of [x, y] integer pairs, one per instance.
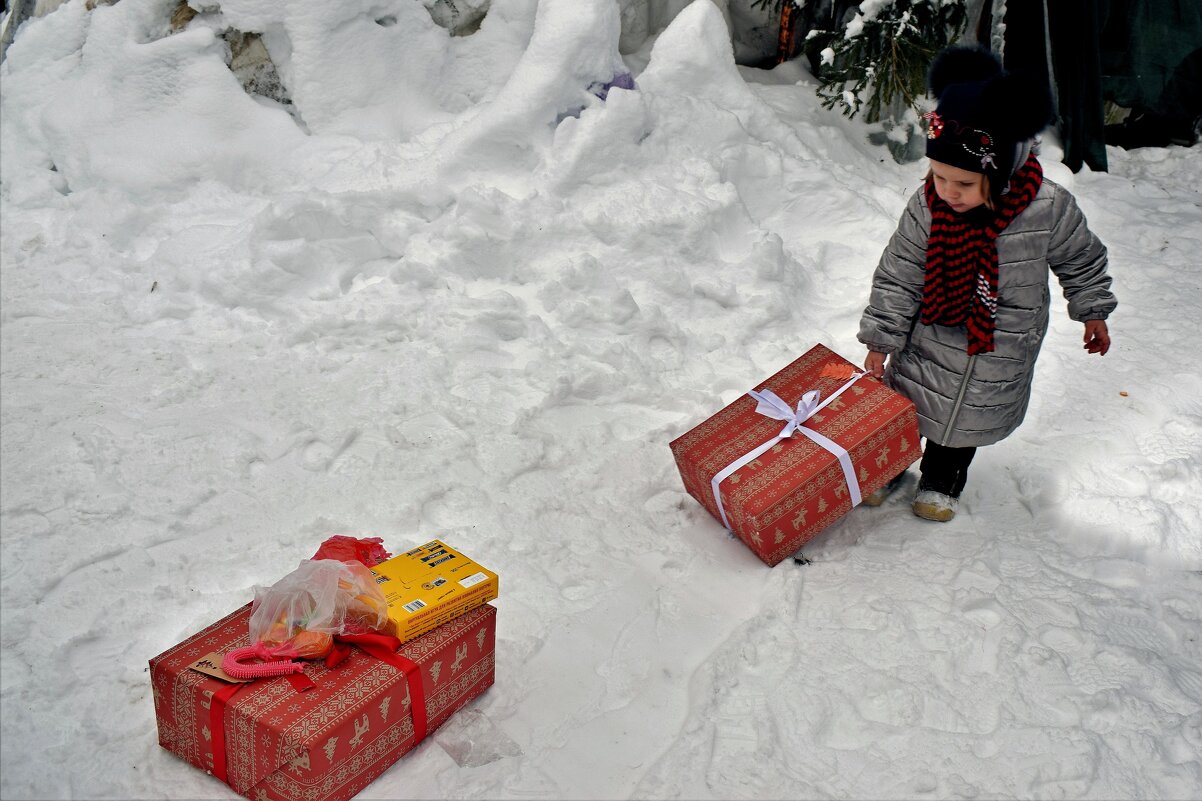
{"points": [[944, 469]]}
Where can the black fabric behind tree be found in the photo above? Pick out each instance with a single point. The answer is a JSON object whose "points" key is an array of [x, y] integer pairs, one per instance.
{"points": [[1075, 32], [1142, 55], [1151, 63], [1072, 30]]}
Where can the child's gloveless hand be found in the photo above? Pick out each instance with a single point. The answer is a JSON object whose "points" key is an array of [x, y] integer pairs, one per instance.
{"points": [[1097, 337], [875, 364]]}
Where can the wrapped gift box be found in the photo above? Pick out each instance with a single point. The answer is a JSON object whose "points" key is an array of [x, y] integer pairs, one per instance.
{"points": [[329, 734], [796, 488]]}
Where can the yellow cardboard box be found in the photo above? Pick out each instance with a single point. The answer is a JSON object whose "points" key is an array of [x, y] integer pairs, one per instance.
{"points": [[431, 585]]}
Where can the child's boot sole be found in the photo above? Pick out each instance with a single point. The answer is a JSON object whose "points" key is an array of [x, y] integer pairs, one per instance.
{"points": [[928, 512]]}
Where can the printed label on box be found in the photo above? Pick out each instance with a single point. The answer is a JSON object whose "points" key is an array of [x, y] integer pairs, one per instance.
{"points": [[473, 580]]}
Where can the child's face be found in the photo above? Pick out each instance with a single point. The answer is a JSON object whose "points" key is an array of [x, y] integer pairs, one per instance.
{"points": [[960, 189]]}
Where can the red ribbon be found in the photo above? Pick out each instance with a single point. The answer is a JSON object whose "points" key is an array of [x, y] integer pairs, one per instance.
{"points": [[300, 682], [217, 727], [384, 648], [381, 646]]}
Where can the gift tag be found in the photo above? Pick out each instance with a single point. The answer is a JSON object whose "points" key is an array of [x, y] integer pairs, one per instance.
{"points": [[211, 666]]}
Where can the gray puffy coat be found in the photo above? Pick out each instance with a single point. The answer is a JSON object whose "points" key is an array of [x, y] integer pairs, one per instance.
{"points": [[976, 400]]}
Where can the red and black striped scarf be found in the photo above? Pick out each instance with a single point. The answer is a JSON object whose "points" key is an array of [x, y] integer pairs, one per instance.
{"points": [[962, 263]]}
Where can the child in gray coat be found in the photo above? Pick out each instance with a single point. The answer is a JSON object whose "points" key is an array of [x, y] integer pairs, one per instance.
{"points": [[959, 302]]}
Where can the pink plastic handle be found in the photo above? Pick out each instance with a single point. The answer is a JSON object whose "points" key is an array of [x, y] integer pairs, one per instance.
{"points": [[232, 664]]}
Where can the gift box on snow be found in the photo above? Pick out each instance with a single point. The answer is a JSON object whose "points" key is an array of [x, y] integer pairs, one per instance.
{"points": [[324, 734], [796, 454]]}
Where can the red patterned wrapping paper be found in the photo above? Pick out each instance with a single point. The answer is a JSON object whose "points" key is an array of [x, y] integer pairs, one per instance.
{"points": [[327, 743], [795, 490]]}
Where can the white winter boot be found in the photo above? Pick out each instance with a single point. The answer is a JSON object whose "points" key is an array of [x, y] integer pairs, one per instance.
{"points": [[932, 505]]}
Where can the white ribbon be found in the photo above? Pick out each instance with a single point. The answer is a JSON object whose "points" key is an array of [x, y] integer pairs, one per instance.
{"points": [[770, 404]]}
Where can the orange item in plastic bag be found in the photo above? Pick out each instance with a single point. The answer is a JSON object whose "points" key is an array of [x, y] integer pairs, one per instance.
{"points": [[299, 616]]}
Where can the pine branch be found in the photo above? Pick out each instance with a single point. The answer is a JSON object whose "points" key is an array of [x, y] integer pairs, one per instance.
{"points": [[888, 60]]}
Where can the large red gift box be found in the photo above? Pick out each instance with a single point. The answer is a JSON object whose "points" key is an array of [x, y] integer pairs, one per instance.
{"points": [[786, 496], [275, 739]]}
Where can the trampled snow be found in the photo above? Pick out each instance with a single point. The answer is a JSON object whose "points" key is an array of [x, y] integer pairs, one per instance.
{"points": [[450, 293]]}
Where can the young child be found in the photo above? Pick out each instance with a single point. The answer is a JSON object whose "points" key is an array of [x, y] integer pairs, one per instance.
{"points": [[959, 302]]}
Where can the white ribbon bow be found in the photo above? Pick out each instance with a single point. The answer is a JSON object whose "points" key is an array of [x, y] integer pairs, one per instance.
{"points": [[769, 404]]}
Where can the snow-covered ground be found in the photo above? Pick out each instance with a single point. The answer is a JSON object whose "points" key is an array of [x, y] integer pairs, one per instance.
{"points": [[432, 302]]}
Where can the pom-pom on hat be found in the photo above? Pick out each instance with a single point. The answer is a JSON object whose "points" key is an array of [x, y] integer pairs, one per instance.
{"points": [[983, 113]]}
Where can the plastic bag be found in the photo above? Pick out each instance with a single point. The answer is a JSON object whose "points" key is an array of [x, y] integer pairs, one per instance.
{"points": [[299, 616]]}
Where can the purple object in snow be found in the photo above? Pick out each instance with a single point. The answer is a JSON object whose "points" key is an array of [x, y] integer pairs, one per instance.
{"points": [[623, 80]]}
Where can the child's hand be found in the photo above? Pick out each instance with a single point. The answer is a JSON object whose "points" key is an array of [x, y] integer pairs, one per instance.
{"points": [[875, 364], [1097, 337]]}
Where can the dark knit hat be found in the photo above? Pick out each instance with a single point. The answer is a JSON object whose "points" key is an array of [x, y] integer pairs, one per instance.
{"points": [[983, 114]]}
